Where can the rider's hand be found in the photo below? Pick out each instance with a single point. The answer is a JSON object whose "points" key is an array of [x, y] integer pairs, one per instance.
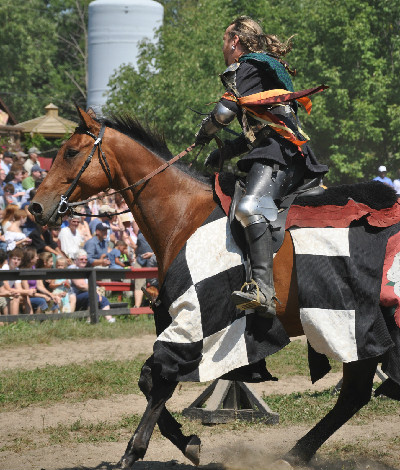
{"points": [[213, 159], [202, 138]]}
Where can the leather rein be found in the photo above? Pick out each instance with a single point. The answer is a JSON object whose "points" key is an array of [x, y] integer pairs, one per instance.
{"points": [[65, 206]]}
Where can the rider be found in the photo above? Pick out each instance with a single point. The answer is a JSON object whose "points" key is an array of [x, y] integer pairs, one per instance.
{"points": [[277, 160]]}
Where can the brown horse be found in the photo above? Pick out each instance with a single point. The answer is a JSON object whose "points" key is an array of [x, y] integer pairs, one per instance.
{"points": [[178, 203]]}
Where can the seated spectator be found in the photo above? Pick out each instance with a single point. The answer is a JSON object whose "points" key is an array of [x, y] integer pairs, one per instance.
{"points": [[16, 181], [63, 288], [80, 288], [7, 161], [30, 223], [6, 293], [97, 248], [35, 175], [14, 262], [9, 198], [70, 239], [33, 159], [103, 209], [83, 229], [8, 216], [144, 258], [40, 299], [2, 183], [43, 241], [382, 176], [116, 254], [14, 236], [119, 202], [130, 230]]}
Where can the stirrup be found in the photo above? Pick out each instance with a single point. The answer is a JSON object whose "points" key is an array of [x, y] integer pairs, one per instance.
{"points": [[243, 303]]}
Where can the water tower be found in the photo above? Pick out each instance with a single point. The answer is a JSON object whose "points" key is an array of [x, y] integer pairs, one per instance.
{"points": [[115, 29]]}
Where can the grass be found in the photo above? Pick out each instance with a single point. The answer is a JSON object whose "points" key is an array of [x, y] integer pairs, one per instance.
{"points": [[30, 333], [70, 383], [310, 407], [293, 360]]}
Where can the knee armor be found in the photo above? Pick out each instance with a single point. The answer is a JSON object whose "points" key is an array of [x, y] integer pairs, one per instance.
{"points": [[254, 210]]}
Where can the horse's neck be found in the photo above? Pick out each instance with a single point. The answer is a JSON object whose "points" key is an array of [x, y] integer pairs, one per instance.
{"points": [[168, 208]]}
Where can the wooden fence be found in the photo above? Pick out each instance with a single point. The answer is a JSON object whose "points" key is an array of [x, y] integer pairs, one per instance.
{"points": [[93, 275]]}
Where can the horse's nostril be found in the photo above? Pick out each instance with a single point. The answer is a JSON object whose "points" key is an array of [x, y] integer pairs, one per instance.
{"points": [[35, 208]]}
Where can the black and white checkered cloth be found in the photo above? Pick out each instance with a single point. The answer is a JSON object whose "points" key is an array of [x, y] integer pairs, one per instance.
{"points": [[339, 273], [202, 336]]}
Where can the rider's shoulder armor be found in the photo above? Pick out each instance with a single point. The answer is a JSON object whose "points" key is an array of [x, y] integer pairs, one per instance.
{"points": [[228, 77]]}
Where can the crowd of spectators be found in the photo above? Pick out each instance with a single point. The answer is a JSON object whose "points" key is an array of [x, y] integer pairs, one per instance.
{"points": [[97, 236]]}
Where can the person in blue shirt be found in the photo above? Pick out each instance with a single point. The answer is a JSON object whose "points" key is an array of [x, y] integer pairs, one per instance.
{"points": [[115, 254], [382, 176], [97, 248]]}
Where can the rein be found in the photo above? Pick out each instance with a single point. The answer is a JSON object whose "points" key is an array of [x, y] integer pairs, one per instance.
{"points": [[64, 206]]}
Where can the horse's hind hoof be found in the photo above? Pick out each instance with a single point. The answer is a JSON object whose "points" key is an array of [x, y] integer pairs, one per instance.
{"points": [[282, 465], [192, 450]]}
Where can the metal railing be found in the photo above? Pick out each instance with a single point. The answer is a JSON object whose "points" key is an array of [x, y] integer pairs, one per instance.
{"points": [[92, 275]]}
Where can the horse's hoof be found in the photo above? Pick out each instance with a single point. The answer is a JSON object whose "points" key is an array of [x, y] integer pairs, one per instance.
{"points": [[192, 450], [127, 462], [282, 465]]}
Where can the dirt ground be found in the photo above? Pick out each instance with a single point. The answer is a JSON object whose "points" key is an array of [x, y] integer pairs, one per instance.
{"points": [[250, 449]]}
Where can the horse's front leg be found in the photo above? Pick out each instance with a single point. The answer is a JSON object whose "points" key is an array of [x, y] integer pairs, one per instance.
{"points": [[169, 427], [160, 392], [354, 394]]}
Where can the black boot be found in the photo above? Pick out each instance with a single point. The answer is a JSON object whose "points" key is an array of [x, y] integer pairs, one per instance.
{"points": [[260, 293]]}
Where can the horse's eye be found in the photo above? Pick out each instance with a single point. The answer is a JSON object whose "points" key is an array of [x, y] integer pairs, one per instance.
{"points": [[70, 153]]}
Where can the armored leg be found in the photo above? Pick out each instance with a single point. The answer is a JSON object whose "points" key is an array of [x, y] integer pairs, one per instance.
{"points": [[255, 211]]}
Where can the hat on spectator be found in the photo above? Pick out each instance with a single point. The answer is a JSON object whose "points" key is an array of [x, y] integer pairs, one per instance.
{"points": [[128, 217], [102, 226], [21, 154], [8, 154], [34, 150], [36, 168], [382, 168], [106, 209]]}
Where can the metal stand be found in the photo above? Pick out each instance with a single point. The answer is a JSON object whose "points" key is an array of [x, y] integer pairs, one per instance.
{"points": [[228, 400], [379, 372]]}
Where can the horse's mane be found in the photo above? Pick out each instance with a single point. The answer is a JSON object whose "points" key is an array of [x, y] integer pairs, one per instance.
{"points": [[144, 134], [148, 136]]}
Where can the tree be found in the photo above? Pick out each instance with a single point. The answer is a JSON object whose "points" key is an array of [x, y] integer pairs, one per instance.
{"points": [[40, 42]]}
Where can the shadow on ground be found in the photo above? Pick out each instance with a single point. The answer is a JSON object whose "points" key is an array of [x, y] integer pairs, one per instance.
{"points": [[149, 465]]}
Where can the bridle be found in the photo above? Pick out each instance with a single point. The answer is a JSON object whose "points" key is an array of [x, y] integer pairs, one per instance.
{"points": [[64, 205]]}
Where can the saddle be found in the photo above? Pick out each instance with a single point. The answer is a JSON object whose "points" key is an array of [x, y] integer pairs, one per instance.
{"points": [[229, 199]]}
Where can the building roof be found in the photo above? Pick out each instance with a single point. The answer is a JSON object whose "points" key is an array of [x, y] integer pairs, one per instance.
{"points": [[49, 125]]}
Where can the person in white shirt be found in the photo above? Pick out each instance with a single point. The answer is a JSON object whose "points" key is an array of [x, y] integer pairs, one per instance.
{"points": [[70, 239], [33, 159], [396, 183]]}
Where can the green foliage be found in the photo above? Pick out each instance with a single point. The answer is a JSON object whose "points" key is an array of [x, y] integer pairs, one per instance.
{"points": [[353, 126], [40, 64]]}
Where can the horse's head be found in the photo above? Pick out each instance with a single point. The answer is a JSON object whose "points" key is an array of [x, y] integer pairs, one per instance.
{"points": [[78, 172]]}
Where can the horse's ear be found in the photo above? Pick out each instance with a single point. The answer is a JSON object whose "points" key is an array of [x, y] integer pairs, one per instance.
{"points": [[91, 113], [87, 118]]}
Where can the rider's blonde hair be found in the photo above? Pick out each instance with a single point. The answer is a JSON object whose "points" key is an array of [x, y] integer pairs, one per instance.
{"points": [[253, 38]]}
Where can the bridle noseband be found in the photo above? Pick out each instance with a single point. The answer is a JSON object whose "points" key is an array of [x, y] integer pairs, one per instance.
{"points": [[64, 205]]}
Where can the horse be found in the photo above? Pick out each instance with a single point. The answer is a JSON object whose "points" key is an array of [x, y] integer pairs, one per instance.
{"points": [[165, 196]]}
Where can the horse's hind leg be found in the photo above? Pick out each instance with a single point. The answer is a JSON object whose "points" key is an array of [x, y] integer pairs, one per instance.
{"points": [[354, 394], [169, 427], [157, 391]]}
